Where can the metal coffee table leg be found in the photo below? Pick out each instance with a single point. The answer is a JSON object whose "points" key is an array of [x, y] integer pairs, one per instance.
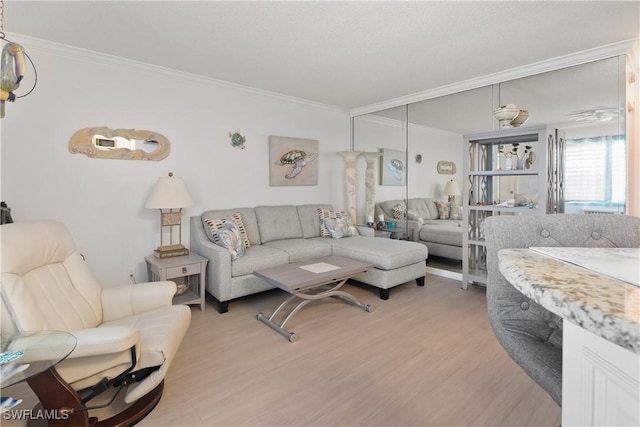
{"points": [[280, 327], [306, 298]]}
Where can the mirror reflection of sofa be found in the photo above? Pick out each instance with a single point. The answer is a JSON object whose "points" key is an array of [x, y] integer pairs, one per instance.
{"points": [[435, 223]]}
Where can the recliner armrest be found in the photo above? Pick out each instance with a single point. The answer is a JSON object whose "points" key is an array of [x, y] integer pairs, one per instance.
{"points": [[89, 342], [124, 301], [105, 340]]}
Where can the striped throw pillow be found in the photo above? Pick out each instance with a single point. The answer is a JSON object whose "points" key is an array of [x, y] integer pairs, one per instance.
{"points": [[216, 224]]}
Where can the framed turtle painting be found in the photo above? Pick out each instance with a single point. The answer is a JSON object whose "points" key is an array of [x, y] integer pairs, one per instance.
{"points": [[392, 169], [293, 161]]}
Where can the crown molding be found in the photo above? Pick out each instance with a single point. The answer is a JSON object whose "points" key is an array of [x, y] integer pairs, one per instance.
{"points": [[386, 121], [381, 120], [102, 59], [570, 60]]}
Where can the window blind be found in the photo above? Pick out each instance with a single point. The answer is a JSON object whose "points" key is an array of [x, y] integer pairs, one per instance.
{"points": [[595, 169]]}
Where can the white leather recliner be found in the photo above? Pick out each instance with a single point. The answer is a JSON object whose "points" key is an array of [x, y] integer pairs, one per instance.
{"points": [[46, 285]]}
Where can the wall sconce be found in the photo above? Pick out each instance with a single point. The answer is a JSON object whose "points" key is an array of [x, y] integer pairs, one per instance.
{"points": [[452, 190], [169, 193]]}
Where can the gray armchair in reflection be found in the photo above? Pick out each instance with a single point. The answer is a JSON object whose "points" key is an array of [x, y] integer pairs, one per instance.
{"points": [[530, 334]]}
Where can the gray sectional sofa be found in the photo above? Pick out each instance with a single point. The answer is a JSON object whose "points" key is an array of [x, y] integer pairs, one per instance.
{"points": [[285, 234], [443, 237]]}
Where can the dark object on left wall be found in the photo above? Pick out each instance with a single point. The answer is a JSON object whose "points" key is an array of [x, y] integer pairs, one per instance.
{"points": [[5, 214]]}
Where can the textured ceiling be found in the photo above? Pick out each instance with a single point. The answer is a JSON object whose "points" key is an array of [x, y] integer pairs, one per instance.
{"points": [[343, 54]]}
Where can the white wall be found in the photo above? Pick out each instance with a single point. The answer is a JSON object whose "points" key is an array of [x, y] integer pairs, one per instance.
{"points": [[102, 200], [434, 145]]}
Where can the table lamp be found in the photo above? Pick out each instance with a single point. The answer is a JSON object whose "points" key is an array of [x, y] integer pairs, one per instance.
{"points": [[169, 193], [452, 190]]}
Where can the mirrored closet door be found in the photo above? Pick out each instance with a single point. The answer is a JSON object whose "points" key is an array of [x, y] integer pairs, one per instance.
{"points": [[381, 169]]}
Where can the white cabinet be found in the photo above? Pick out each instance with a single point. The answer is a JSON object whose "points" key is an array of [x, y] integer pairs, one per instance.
{"points": [[490, 180], [600, 381]]}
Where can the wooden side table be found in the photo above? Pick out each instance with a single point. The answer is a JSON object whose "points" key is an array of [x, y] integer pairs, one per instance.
{"points": [[188, 272]]}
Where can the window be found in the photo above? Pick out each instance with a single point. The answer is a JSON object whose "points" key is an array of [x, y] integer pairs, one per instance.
{"points": [[595, 174]]}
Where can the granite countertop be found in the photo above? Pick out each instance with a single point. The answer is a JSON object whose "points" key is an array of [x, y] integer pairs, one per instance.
{"points": [[605, 306]]}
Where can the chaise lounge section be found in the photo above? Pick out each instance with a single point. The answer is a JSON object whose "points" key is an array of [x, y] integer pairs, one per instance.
{"points": [[284, 234], [442, 236]]}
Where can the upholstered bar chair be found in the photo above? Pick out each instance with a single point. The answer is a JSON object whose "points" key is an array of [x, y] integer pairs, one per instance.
{"points": [[530, 334], [126, 336]]}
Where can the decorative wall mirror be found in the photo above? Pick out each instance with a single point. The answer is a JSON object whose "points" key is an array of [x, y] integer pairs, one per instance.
{"points": [[573, 100], [382, 137], [126, 144]]}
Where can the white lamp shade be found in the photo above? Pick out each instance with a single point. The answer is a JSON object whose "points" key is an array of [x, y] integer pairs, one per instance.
{"points": [[169, 193], [451, 189]]}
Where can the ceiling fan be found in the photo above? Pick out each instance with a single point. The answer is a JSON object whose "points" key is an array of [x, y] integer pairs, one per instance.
{"points": [[599, 114]]}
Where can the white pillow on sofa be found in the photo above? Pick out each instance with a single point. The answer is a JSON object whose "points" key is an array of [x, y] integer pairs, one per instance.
{"points": [[413, 216], [341, 227], [328, 222], [455, 211]]}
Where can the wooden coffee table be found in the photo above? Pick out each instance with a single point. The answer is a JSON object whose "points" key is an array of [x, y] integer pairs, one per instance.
{"points": [[308, 281]]}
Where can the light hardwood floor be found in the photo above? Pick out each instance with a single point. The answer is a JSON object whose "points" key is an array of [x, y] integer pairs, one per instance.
{"points": [[425, 357]]}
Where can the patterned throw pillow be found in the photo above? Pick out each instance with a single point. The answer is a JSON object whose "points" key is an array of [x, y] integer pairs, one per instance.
{"points": [[225, 233], [455, 211], [443, 209], [341, 227], [216, 224], [399, 211], [326, 216]]}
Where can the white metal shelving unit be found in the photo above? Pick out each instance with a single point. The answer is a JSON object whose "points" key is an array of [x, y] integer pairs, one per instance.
{"points": [[486, 182]]}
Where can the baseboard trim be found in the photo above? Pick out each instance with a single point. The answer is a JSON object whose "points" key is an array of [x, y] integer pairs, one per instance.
{"points": [[445, 273]]}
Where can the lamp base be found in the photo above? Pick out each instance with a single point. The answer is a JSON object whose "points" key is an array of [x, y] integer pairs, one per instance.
{"points": [[169, 251]]}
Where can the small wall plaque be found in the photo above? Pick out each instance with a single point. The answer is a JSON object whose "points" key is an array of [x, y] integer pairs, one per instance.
{"points": [[446, 167]]}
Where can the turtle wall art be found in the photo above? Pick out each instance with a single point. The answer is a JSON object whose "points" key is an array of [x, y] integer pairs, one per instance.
{"points": [[293, 161], [393, 168]]}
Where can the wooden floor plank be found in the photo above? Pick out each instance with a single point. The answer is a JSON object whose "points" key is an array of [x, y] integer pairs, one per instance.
{"points": [[425, 357]]}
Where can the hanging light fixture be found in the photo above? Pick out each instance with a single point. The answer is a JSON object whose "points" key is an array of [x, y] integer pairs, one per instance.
{"points": [[12, 67], [598, 114]]}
